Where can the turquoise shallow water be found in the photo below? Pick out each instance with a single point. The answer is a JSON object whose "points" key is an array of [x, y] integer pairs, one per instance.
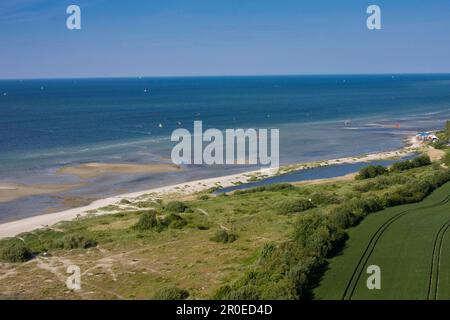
{"points": [[46, 124]]}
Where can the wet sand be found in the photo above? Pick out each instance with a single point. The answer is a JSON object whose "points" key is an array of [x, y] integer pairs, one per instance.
{"points": [[12, 191], [92, 170]]}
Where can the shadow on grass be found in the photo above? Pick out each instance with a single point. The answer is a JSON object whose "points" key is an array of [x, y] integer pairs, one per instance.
{"points": [[317, 274]]}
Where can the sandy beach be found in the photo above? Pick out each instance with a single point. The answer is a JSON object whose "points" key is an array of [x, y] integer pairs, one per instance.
{"points": [[13, 228]]}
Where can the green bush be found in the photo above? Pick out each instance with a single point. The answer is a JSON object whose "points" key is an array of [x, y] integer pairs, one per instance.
{"points": [[447, 159], [371, 172], [248, 292], [381, 182], [440, 144], [147, 221], [271, 188], [222, 236], [447, 130], [15, 251], [176, 207], [75, 241], [319, 198], [423, 160], [171, 293], [420, 161], [175, 221], [144, 204], [294, 205]]}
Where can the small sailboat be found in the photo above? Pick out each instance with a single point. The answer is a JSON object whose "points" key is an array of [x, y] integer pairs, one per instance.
{"points": [[160, 125]]}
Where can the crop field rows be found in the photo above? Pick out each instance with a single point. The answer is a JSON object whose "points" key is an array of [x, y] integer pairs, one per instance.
{"points": [[410, 244]]}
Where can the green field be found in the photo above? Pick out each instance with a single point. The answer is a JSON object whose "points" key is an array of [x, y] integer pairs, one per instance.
{"points": [[410, 244]]}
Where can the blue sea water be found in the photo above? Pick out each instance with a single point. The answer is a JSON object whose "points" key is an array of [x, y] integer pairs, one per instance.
{"points": [[46, 124]]}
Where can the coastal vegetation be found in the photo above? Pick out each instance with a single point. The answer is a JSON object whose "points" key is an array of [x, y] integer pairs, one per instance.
{"points": [[223, 236], [371, 172], [292, 269], [418, 162], [171, 293], [14, 251], [268, 242]]}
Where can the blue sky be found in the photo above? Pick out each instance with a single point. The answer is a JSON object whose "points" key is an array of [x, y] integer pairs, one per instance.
{"points": [[227, 37]]}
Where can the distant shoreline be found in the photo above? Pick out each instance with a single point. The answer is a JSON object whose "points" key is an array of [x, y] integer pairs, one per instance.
{"points": [[10, 229], [229, 76]]}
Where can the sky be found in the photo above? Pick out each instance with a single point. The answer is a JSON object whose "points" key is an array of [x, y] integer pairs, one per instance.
{"points": [[227, 37]]}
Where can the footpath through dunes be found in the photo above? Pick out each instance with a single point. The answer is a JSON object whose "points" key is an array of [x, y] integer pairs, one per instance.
{"points": [[410, 244]]}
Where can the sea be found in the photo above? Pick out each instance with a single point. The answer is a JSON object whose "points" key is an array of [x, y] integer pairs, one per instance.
{"points": [[46, 124]]}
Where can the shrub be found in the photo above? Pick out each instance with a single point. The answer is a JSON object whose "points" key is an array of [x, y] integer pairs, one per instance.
{"points": [[371, 172], [203, 197], [294, 205], [75, 241], [175, 221], [15, 251], [440, 144], [447, 159], [423, 160], [222, 293], [447, 130], [144, 204], [222, 236], [171, 293], [176, 207], [381, 182], [248, 292], [319, 198], [420, 161], [279, 187], [125, 201], [267, 251], [271, 188], [147, 221]]}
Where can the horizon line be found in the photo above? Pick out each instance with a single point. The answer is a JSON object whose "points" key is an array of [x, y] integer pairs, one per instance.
{"points": [[228, 76]]}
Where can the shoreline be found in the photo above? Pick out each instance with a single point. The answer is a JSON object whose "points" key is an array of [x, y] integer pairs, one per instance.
{"points": [[13, 228]]}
